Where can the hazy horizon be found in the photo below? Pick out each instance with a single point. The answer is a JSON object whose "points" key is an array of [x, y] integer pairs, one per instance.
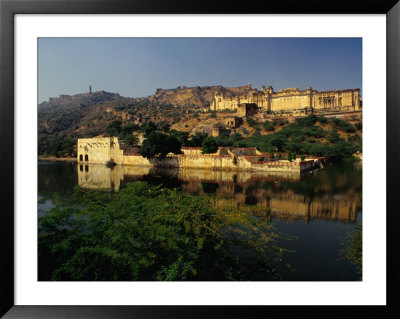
{"points": [[136, 67]]}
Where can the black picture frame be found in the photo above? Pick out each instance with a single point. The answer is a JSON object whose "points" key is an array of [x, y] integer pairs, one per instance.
{"points": [[8, 8]]}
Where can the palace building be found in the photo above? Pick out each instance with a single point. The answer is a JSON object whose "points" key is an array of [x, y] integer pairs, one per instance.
{"points": [[290, 100]]}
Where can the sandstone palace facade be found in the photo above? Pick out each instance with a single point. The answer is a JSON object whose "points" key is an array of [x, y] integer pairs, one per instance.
{"points": [[291, 100]]}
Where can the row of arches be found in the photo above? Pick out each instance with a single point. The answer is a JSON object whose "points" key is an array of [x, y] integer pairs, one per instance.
{"points": [[86, 158]]}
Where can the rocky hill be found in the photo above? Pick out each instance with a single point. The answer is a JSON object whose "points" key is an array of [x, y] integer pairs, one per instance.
{"points": [[62, 120], [82, 99], [179, 97], [194, 96]]}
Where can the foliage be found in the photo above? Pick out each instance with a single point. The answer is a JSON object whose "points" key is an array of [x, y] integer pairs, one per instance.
{"points": [[304, 137], [160, 144], [151, 233], [129, 128], [163, 126], [342, 125], [322, 119], [149, 127], [129, 139], [251, 122], [209, 145], [334, 136], [278, 142], [57, 145], [353, 248], [114, 128], [236, 137], [309, 120], [269, 126], [182, 137], [223, 140], [197, 139]]}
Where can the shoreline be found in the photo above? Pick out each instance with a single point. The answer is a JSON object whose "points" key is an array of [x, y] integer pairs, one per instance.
{"points": [[57, 159]]}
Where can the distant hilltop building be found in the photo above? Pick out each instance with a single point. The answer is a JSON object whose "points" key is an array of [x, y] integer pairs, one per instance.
{"points": [[291, 100]]}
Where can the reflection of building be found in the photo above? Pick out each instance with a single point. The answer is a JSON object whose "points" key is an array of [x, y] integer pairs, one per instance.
{"points": [[98, 176], [273, 193]]}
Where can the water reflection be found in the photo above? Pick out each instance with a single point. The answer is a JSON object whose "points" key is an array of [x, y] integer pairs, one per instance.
{"points": [[330, 194]]}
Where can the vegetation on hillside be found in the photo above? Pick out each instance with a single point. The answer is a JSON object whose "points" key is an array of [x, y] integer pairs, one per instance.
{"points": [[311, 135], [60, 127], [150, 233]]}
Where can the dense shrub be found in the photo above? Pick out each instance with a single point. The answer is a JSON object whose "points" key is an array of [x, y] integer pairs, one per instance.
{"points": [[209, 145], [150, 233], [251, 122], [160, 144], [269, 126]]}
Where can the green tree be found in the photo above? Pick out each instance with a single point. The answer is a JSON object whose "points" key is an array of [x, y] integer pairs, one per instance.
{"points": [[278, 142], [334, 136], [181, 136], [129, 139], [114, 128], [209, 145], [149, 233], [269, 126], [129, 129], [163, 126], [251, 122], [197, 139], [236, 137], [224, 140], [149, 127], [353, 248], [159, 144]]}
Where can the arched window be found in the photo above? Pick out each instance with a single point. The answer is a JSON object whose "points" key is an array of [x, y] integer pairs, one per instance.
{"points": [[86, 158], [81, 167], [81, 157]]}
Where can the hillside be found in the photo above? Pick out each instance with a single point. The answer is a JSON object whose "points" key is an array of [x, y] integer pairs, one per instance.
{"points": [[194, 96], [84, 99], [183, 113]]}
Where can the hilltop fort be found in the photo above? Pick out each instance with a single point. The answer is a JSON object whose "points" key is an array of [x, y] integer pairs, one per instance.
{"points": [[290, 100], [240, 114]]}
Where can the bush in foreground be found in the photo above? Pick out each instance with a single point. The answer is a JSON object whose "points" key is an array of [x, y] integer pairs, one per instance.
{"points": [[150, 233]]}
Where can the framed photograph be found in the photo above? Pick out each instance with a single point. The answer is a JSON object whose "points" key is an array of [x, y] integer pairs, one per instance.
{"points": [[168, 160]]}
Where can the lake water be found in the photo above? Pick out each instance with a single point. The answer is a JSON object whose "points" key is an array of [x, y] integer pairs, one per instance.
{"points": [[319, 209]]}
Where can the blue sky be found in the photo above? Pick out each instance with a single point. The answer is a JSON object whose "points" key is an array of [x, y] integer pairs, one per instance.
{"points": [[136, 67]]}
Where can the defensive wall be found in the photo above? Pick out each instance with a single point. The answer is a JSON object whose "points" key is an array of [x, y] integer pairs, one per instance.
{"points": [[107, 149]]}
